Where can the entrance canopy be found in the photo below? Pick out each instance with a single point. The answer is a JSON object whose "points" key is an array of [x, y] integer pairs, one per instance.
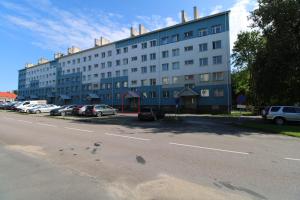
{"points": [[131, 94], [65, 97], [187, 92], [93, 96]]}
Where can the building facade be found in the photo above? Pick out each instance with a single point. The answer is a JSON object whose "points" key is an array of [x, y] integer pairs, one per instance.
{"points": [[184, 66], [7, 96]]}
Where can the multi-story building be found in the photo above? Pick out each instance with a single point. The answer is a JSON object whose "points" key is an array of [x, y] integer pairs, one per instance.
{"points": [[185, 65]]}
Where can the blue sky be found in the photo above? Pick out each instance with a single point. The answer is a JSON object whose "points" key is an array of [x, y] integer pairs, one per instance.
{"points": [[31, 29]]}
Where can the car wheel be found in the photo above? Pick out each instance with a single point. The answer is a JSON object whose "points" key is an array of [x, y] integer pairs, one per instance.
{"points": [[99, 114], [279, 120], [37, 112]]}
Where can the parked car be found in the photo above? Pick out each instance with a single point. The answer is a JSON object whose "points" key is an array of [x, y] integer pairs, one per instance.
{"points": [[100, 110], [26, 108], [64, 110], [150, 114], [46, 108], [76, 109], [282, 114]]}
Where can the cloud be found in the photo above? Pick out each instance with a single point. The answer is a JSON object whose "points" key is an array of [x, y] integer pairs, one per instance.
{"points": [[56, 29], [216, 9], [239, 18]]}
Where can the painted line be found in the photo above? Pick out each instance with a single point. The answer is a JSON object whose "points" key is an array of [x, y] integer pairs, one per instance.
{"points": [[76, 129], [208, 148], [25, 121], [128, 137], [9, 118], [50, 125], [294, 159]]}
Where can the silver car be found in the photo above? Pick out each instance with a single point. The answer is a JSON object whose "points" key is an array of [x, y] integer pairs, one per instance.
{"points": [[282, 114]]}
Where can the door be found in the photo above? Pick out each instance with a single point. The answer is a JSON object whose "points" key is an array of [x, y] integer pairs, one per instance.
{"points": [[190, 102]]}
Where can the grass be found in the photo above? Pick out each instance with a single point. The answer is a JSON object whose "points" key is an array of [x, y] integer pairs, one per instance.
{"points": [[290, 130]]}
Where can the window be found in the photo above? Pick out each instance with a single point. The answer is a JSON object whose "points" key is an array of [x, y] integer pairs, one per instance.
{"points": [[204, 93], [90, 58], [189, 77], [144, 82], [216, 29], [175, 38], [102, 75], [152, 94], [103, 54], [134, 58], [190, 85], [125, 61], [164, 40], [216, 44], [188, 34], [144, 45], [144, 95], [134, 69], [125, 84], [165, 80], [152, 68], [96, 65], [108, 85], [125, 72], [89, 67], [118, 84], [203, 62], [165, 54], [108, 74], [144, 70], [118, 51], [102, 65], [275, 108], [188, 48], [109, 53], [218, 92], [203, 47], [133, 82], [96, 55], [153, 43], [218, 76], [73, 62], [144, 58], [118, 62], [152, 56], [175, 79], [189, 62], [203, 32], [204, 77], [134, 46], [95, 75], [78, 60], [152, 81], [125, 49], [165, 67], [217, 60], [109, 64], [175, 65], [175, 52], [118, 73], [84, 68], [89, 77], [166, 94]]}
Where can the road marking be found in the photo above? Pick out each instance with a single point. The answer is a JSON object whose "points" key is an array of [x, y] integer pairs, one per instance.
{"points": [[294, 159], [76, 129], [129, 137], [208, 148], [25, 121], [9, 118], [50, 125]]}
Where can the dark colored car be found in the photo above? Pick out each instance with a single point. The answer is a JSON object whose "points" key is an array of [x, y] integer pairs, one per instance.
{"points": [[150, 114], [65, 110]]}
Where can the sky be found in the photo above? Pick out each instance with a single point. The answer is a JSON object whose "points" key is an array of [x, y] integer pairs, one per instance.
{"points": [[31, 29]]}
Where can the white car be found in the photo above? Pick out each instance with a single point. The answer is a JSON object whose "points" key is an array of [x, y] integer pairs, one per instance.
{"points": [[43, 109], [26, 108]]}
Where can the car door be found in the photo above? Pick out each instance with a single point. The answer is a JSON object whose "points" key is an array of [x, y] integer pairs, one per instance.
{"points": [[289, 113]]}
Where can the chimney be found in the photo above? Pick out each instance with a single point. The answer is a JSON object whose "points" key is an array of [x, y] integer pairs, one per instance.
{"points": [[58, 55], [142, 29], [42, 61], [133, 32], [73, 50], [102, 41], [28, 65], [196, 13], [183, 16]]}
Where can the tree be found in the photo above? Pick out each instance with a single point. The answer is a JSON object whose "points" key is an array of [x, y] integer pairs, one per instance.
{"points": [[276, 68], [244, 54]]}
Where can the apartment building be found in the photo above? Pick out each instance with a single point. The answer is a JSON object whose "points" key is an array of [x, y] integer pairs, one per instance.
{"points": [[186, 65]]}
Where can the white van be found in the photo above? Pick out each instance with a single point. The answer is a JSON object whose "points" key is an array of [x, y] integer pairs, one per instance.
{"points": [[25, 104]]}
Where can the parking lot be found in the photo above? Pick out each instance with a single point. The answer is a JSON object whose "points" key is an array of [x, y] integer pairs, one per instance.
{"points": [[120, 157]]}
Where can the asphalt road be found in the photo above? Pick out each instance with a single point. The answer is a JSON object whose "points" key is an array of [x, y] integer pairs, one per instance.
{"points": [[45, 158]]}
